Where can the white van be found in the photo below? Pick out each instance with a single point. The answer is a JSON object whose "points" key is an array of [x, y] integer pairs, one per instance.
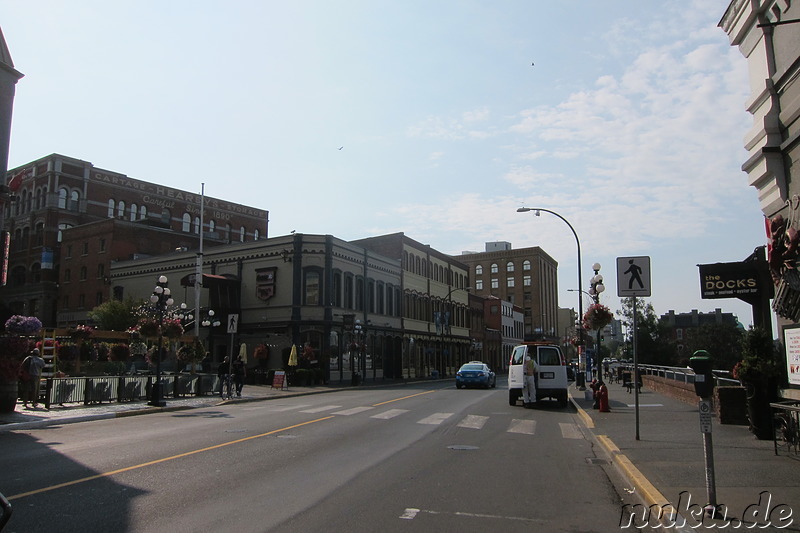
{"points": [[551, 371]]}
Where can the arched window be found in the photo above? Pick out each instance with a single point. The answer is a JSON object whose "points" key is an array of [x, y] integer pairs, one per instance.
{"points": [[494, 268], [256, 235], [121, 209], [166, 217], [74, 201], [197, 225], [479, 270], [228, 233], [241, 234], [39, 233], [143, 212], [61, 228], [187, 223], [111, 206], [134, 211], [212, 226], [63, 193], [510, 266], [36, 273], [526, 265]]}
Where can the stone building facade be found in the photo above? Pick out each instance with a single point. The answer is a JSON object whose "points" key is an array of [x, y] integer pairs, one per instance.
{"points": [[59, 194]]}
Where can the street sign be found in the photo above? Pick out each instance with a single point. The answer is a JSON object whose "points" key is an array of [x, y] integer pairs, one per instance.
{"points": [[705, 416], [633, 276], [233, 323]]}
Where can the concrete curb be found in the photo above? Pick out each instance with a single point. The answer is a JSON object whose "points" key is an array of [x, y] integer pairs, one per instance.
{"points": [[647, 492]]}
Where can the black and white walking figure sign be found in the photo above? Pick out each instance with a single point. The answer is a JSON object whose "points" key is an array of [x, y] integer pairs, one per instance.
{"points": [[233, 323], [633, 276]]}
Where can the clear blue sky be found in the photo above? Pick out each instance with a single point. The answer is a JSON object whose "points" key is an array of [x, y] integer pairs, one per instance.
{"points": [[627, 118]]}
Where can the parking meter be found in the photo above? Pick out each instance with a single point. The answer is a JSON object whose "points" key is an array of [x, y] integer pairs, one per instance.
{"points": [[703, 376]]}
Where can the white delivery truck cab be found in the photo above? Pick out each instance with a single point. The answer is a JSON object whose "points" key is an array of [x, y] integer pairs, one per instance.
{"points": [[551, 371]]}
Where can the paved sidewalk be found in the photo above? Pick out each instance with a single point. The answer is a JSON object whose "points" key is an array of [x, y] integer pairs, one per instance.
{"points": [[667, 464], [25, 418]]}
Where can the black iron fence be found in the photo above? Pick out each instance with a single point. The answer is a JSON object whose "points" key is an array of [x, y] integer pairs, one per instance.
{"points": [[131, 388]]}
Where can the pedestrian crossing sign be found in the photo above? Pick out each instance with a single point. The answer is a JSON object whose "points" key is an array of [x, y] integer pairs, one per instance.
{"points": [[633, 276]]}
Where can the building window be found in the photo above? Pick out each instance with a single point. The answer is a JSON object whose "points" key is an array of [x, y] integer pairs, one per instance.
{"points": [[83, 273], [478, 284], [102, 245], [526, 265], [62, 197], [510, 266], [479, 270], [81, 301], [69, 251], [101, 270], [166, 217], [197, 225], [61, 228], [241, 234], [67, 275], [256, 235], [36, 273], [134, 211], [187, 223], [98, 299], [494, 268], [510, 281], [495, 283], [312, 291], [86, 248], [212, 226], [111, 207], [121, 209], [143, 212], [39, 232], [526, 280]]}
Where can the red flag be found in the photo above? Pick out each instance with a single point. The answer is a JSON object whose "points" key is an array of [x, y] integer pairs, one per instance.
{"points": [[16, 181]]}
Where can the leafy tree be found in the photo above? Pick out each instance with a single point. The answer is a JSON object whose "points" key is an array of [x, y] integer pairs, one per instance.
{"points": [[722, 341], [652, 338], [115, 315]]}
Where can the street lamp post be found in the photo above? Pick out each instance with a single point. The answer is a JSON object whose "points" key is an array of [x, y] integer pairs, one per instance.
{"points": [[161, 299], [594, 291], [358, 331], [536, 211]]}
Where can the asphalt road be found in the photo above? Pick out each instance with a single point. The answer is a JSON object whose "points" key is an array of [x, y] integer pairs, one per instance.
{"points": [[425, 457]]}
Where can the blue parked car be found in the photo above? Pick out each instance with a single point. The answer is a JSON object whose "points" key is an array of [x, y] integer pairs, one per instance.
{"points": [[475, 374]]}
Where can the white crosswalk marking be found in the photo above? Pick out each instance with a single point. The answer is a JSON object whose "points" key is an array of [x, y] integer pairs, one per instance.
{"points": [[473, 422], [321, 409], [435, 419], [391, 413], [353, 411], [570, 431], [527, 427]]}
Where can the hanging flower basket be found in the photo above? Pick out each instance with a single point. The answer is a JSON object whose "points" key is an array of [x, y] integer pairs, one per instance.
{"points": [[597, 316], [23, 325], [172, 328], [81, 333], [148, 328]]}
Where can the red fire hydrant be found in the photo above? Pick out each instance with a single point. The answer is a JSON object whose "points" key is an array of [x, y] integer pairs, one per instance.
{"points": [[602, 397]]}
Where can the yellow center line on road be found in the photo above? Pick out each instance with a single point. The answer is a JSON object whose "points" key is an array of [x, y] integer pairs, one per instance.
{"points": [[162, 460], [403, 398]]}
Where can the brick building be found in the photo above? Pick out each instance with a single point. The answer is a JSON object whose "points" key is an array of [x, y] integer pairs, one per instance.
{"points": [[70, 218], [526, 277]]}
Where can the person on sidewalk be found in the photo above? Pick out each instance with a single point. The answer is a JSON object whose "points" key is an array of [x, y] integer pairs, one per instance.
{"points": [[529, 385], [223, 371], [32, 367], [239, 371]]}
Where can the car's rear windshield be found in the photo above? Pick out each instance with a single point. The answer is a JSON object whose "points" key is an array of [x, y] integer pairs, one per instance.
{"points": [[472, 367]]}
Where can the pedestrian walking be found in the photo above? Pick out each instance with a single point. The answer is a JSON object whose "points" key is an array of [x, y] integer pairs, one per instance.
{"points": [[31, 376], [529, 389], [239, 371], [223, 373]]}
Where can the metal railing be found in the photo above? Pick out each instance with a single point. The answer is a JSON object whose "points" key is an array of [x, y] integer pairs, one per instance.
{"points": [[683, 374], [129, 388]]}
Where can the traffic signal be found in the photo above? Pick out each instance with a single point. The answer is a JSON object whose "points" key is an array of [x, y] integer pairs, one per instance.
{"points": [[703, 375]]}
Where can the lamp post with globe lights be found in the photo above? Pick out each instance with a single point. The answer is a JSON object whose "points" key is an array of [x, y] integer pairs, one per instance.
{"points": [[596, 288], [161, 300]]}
